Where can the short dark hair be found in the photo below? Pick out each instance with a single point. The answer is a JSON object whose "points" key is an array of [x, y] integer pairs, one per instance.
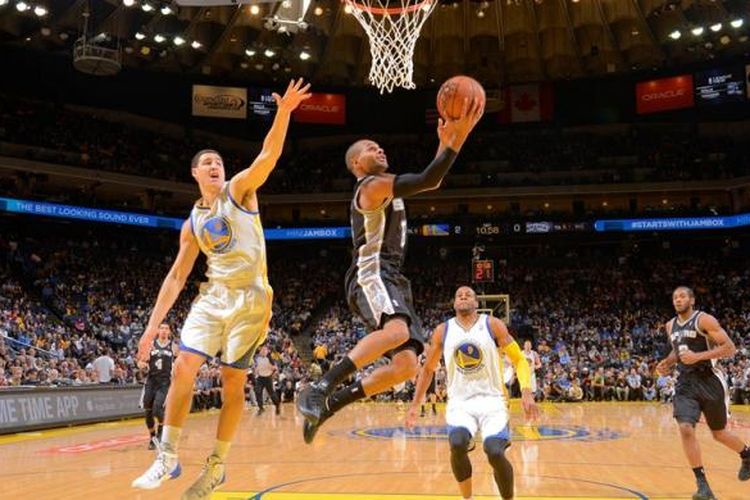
{"points": [[197, 157], [353, 151], [689, 290]]}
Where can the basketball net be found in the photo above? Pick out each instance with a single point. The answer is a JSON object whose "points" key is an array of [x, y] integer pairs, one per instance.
{"points": [[393, 34]]}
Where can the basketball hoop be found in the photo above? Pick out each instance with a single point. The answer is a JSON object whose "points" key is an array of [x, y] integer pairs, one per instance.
{"points": [[393, 31]]}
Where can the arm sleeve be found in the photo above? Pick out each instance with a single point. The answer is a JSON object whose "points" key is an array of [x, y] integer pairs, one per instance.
{"points": [[410, 184], [523, 372]]}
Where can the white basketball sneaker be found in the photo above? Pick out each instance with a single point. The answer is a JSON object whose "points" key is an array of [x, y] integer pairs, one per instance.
{"points": [[164, 468], [212, 476]]}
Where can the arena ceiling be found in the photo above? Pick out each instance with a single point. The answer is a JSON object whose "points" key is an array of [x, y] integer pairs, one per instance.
{"points": [[500, 41]]}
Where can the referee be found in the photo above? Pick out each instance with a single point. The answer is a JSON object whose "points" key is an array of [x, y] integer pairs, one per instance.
{"points": [[264, 370]]}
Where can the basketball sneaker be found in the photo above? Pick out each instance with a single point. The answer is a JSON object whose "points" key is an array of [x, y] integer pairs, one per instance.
{"points": [[309, 429], [312, 402], [211, 477], [152, 443], [165, 467], [744, 473], [704, 491]]}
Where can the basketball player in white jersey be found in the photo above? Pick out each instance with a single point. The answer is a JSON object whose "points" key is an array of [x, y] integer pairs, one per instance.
{"points": [[231, 314], [470, 344], [534, 363]]}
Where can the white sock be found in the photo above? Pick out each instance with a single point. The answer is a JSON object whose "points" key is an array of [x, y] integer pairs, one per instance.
{"points": [[170, 438], [221, 449]]}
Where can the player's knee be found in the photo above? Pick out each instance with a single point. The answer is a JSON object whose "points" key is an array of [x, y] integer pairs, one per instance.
{"points": [[405, 364], [459, 440], [495, 449], [185, 370], [687, 430], [718, 435]]}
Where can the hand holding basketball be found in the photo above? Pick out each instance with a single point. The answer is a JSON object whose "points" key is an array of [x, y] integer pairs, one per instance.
{"points": [[454, 132], [294, 95]]}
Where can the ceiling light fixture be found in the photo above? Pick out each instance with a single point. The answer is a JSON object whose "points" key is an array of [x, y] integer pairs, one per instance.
{"points": [[166, 10], [254, 10], [249, 52], [304, 55], [737, 23], [716, 27], [178, 40], [147, 7], [196, 44], [158, 38], [269, 53], [128, 3], [139, 36], [22, 6], [675, 35], [697, 31]]}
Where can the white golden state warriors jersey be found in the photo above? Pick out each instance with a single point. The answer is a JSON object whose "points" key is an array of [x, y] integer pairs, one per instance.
{"points": [[472, 361], [232, 239]]}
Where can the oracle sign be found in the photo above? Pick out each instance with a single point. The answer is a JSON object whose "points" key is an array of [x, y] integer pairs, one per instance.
{"points": [[322, 108], [664, 94]]}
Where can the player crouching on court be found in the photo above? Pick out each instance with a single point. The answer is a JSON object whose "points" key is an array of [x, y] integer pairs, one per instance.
{"points": [[477, 397]]}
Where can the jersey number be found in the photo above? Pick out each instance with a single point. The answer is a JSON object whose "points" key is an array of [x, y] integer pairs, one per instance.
{"points": [[403, 233], [158, 364]]}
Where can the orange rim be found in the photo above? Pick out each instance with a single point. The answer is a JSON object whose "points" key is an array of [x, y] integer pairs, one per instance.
{"points": [[379, 11]]}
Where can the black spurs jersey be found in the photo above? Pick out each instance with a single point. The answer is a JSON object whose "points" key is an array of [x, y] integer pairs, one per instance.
{"points": [[688, 335], [379, 236], [160, 362]]}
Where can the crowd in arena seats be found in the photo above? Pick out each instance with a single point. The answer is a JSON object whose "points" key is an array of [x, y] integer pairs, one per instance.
{"points": [[507, 157], [597, 319], [73, 296]]}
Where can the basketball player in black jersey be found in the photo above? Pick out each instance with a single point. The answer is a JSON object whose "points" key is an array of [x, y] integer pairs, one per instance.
{"points": [[157, 382], [698, 340], [376, 289]]}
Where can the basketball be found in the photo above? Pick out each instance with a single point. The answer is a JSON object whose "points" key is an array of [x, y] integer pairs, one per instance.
{"points": [[450, 97]]}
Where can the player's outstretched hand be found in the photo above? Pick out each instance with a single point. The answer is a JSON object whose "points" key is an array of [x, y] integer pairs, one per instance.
{"points": [[453, 133], [530, 408], [145, 344], [294, 95], [411, 416]]}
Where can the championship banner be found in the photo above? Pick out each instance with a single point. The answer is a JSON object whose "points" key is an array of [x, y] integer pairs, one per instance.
{"points": [[664, 94], [322, 108], [219, 102], [32, 408]]}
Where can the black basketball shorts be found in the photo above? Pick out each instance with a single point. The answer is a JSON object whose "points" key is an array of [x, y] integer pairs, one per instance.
{"points": [[703, 391], [381, 298]]}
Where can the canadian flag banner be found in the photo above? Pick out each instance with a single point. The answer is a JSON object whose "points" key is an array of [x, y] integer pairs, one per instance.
{"points": [[527, 103]]}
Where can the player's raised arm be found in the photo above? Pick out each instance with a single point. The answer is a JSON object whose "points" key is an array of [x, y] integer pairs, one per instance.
{"points": [[508, 344], [170, 288], [424, 377], [452, 135], [256, 174]]}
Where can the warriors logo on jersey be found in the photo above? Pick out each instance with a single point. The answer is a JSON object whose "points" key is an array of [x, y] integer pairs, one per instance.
{"points": [[217, 234], [468, 357]]}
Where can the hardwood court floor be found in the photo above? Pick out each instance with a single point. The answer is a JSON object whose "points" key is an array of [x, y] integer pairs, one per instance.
{"points": [[590, 450]]}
